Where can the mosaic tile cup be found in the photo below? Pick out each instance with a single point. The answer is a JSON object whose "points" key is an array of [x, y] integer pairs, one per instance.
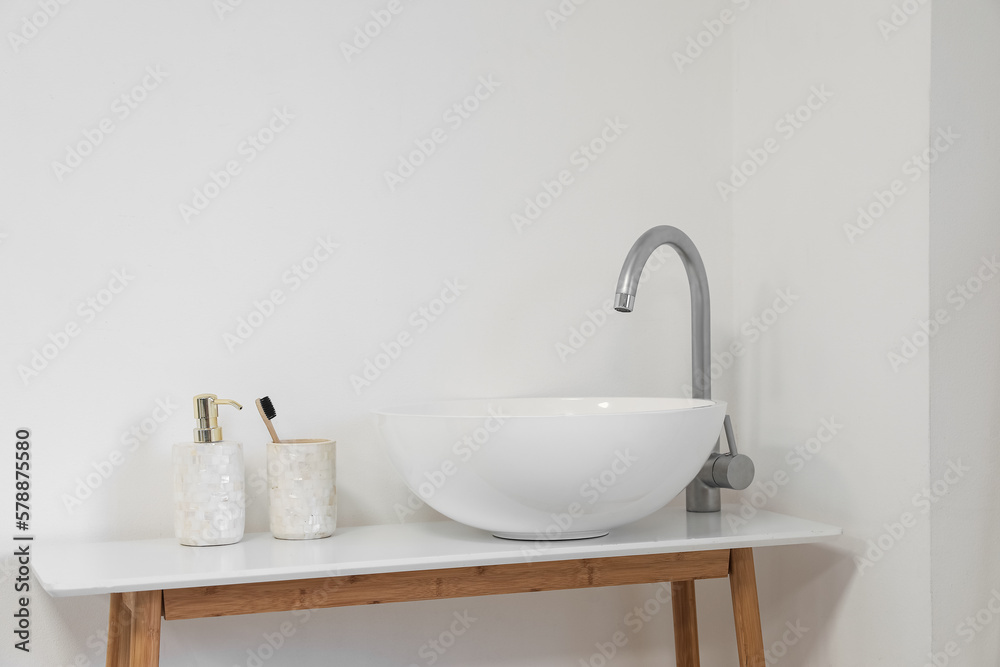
{"points": [[302, 488]]}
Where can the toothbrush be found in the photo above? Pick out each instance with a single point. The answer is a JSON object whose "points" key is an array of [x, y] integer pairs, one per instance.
{"points": [[267, 412]]}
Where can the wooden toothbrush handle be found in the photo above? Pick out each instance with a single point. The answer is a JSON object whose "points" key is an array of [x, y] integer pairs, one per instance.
{"points": [[267, 422]]}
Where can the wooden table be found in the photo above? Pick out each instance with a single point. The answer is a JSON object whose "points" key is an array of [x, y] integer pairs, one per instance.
{"points": [[153, 579]]}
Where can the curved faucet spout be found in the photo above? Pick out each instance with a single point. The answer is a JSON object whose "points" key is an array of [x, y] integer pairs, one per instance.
{"points": [[628, 285], [732, 470]]}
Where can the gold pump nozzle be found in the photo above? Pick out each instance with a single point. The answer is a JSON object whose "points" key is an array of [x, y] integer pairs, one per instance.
{"points": [[206, 413]]}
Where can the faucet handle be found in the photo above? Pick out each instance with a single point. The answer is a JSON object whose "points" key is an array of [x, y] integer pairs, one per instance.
{"points": [[732, 470], [727, 425]]}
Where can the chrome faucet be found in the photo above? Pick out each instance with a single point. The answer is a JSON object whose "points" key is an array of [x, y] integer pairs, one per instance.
{"points": [[721, 471]]}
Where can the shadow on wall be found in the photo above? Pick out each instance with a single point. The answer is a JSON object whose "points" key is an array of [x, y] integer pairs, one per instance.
{"points": [[798, 612]]}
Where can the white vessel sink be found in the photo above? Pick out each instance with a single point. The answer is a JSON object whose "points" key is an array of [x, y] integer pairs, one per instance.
{"points": [[550, 468]]}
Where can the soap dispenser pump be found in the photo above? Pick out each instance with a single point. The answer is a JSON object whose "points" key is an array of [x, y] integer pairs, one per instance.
{"points": [[209, 491]]}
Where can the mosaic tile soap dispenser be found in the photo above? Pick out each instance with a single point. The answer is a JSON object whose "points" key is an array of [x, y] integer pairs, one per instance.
{"points": [[209, 494]]}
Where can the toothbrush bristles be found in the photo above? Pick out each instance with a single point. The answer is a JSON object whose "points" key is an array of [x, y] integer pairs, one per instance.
{"points": [[269, 411]]}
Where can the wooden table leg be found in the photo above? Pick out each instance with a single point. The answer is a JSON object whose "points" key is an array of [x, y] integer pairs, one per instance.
{"points": [[746, 610], [119, 632], [685, 623], [146, 611]]}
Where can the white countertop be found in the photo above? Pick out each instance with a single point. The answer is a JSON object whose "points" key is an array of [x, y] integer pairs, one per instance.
{"points": [[90, 568]]}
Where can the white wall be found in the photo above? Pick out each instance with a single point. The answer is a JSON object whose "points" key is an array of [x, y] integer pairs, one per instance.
{"points": [[912, 468], [826, 358], [964, 356], [162, 337]]}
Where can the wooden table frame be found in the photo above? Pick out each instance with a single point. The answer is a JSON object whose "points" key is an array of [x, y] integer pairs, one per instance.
{"points": [[134, 618]]}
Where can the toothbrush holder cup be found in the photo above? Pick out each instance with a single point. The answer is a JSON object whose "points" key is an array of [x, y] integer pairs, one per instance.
{"points": [[302, 488]]}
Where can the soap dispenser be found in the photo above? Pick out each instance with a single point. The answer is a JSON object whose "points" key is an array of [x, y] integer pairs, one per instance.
{"points": [[209, 495]]}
